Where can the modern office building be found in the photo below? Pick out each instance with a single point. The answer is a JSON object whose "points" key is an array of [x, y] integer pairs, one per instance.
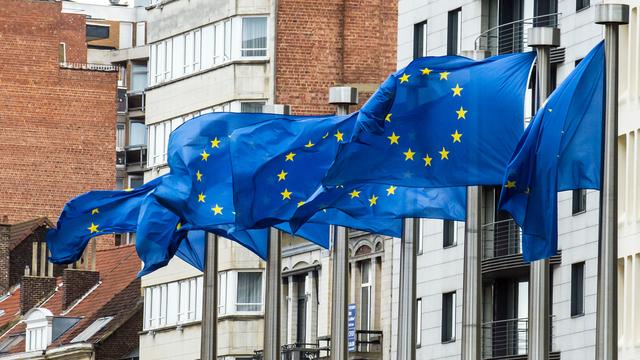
{"points": [[499, 26], [240, 56]]}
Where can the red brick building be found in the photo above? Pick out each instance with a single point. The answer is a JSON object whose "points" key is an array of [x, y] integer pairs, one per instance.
{"points": [[332, 43], [57, 120]]}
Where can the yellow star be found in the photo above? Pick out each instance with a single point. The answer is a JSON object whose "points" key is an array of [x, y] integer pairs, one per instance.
{"points": [[457, 90], [456, 136], [388, 117], [286, 194], [215, 143], [217, 210], [289, 156], [300, 203], [444, 154], [461, 113], [404, 78], [95, 211], [282, 176], [427, 160], [373, 200], [444, 75], [309, 144], [93, 228], [408, 155], [391, 190], [426, 71], [355, 193], [204, 155], [393, 139], [178, 226], [128, 189], [511, 184], [198, 175], [338, 136], [201, 197]]}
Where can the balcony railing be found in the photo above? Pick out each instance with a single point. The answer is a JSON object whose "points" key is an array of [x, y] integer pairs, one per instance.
{"points": [[136, 101], [501, 238], [512, 37], [368, 346], [505, 338]]}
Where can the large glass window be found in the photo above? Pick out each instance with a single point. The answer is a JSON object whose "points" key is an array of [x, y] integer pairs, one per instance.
{"points": [[454, 32], [172, 303], [577, 289], [137, 133], [420, 40], [97, 32], [582, 4], [254, 36], [249, 291], [138, 77], [365, 295], [449, 317], [450, 230], [578, 201]]}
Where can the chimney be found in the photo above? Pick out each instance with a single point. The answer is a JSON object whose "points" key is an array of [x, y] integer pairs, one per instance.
{"points": [[33, 290], [76, 283], [4, 257]]}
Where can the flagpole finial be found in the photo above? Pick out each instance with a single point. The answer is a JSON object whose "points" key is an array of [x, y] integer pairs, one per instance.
{"points": [[612, 14]]}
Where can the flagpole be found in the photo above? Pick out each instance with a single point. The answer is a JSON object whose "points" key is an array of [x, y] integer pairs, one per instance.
{"points": [[342, 97], [273, 296], [407, 313], [472, 277], [542, 39], [209, 325], [611, 16]]}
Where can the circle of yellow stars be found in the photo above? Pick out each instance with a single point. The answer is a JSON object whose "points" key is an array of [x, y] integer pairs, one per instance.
{"points": [[204, 158]]}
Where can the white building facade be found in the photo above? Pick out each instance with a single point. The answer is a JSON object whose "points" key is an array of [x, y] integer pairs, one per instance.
{"points": [[448, 27]]}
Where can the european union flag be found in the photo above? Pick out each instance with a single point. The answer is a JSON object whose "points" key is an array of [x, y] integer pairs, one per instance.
{"points": [[278, 166], [440, 122], [92, 214], [199, 188], [560, 150]]}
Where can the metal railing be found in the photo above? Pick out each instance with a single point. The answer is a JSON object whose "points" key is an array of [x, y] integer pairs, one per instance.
{"points": [[501, 238], [511, 37], [505, 338], [88, 66], [136, 101]]}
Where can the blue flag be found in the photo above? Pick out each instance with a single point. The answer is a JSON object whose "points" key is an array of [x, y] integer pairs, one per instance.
{"points": [[440, 122], [560, 150], [199, 188], [92, 214], [278, 167]]}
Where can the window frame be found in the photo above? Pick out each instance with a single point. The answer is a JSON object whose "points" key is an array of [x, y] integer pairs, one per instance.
{"points": [[420, 239], [578, 202], [457, 35], [262, 294], [448, 320], [452, 232], [577, 289], [266, 32], [420, 39], [419, 323], [582, 4]]}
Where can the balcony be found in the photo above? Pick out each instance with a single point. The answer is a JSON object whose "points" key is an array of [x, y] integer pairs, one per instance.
{"points": [[136, 104], [511, 37], [132, 158], [508, 339], [368, 346], [502, 250]]}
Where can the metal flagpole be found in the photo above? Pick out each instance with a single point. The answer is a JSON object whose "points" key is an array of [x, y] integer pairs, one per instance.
{"points": [[407, 313], [542, 39], [472, 278], [342, 97], [209, 330], [611, 16], [273, 296]]}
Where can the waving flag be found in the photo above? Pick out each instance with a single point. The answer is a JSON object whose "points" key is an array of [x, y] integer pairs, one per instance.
{"points": [[560, 150], [440, 122]]}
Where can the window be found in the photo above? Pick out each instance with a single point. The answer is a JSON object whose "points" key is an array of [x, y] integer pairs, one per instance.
{"points": [[254, 36], [365, 295], [138, 77], [92, 329], [577, 289], [420, 40], [454, 32], [172, 303], [251, 107], [155, 304], [420, 241], [141, 32], [449, 317], [135, 181], [578, 201], [249, 291], [97, 32], [120, 140], [450, 232], [419, 323], [222, 293], [582, 4], [137, 133], [62, 53], [188, 291]]}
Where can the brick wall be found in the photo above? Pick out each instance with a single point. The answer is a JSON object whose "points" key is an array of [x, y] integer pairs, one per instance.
{"points": [[77, 283], [33, 290], [323, 43], [4, 258], [58, 125]]}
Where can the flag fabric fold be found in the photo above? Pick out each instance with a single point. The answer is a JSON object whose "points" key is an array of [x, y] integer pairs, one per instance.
{"points": [[440, 122], [560, 150]]}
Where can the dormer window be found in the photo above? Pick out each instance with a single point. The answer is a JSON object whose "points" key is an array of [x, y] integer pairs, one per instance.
{"points": [[39, 329]]}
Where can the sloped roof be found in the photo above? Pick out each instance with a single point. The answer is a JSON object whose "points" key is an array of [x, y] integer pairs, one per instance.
{"points": [[117, 294], [18, 232]]}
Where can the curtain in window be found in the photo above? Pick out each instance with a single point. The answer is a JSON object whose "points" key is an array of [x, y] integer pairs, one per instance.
{"points": [[249, 297], [254, 36]]}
